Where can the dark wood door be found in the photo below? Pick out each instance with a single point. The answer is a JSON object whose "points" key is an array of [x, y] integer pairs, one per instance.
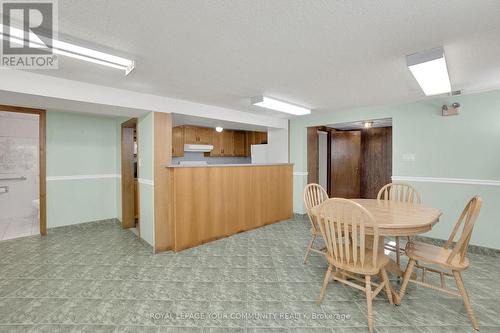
{"points": [[127, 177], [376, 162], [345, 164]]}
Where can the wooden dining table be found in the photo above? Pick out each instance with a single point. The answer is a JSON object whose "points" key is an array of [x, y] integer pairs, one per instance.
{"points": [[395, 218]]}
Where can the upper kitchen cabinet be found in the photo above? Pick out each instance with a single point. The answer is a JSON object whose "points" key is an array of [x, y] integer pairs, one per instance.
{"points": [[254, 138], [178, 141], [228, 143], [217, 139], [260, 138], [239, 140], [204, 135], [197, 135]]}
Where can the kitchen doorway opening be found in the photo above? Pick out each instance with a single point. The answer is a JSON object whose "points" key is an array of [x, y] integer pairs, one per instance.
{"points": [[129, 176], [22, 172]]}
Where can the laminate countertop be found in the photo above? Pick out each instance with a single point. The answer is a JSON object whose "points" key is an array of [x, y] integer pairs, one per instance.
{"points": [[222, 165]]}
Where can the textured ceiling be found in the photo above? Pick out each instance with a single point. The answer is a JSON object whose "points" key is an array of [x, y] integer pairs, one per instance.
{"points": [[327, 55]]}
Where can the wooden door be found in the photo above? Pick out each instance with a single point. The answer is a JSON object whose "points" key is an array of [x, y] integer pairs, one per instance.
{"points": [[127, 177], [190, 135], [178, 141], [204, 135], [239, 143], [312, 155], [376, 160], [345, 164], [217, 139], [227, 143]]}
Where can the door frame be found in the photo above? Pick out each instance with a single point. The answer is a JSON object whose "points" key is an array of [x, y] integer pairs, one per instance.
{"points": [[41, 158], [127, 191]]}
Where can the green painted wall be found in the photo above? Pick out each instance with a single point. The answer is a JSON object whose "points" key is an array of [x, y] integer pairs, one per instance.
{"points": [[80, 144], [463, 146], [77, 145], [145, 136]]}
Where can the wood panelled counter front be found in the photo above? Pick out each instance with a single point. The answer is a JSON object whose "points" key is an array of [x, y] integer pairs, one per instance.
{"points": [[212, 202]]}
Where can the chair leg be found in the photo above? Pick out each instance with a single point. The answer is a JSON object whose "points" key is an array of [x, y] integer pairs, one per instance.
{"points": [[406, 279], [309, 247], [368, 292], [465, 296], [388, 290], [398, 253], [325, 284]]}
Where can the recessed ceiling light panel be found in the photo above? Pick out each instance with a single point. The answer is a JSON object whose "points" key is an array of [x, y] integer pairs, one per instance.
{"points": [[274, 104], [430, 70]]}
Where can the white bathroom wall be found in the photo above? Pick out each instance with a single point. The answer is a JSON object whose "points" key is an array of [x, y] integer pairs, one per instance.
{"points": [[18, 157]]}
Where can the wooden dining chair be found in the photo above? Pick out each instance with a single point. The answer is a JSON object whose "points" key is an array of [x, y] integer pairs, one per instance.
{"points": [[400, 192], [450, 257], [351, 237], [314, 194]]}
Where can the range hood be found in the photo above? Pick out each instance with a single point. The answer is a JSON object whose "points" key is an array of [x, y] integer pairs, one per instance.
{"points": [[198, 148]]}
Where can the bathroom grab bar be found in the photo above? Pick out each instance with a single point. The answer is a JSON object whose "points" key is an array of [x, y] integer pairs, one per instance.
{"points": [[16, 178]]}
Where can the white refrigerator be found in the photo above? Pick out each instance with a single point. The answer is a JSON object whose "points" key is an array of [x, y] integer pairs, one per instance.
{"points": [[259, 154]]}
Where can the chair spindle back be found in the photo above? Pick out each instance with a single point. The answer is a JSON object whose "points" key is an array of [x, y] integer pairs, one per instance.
{"points": [[468, 219], [344, 225], [400, 192], [314, 194]]}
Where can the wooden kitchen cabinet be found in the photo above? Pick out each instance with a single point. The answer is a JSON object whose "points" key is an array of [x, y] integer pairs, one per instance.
{"points": [[190, 136], [217, 143], [239, 140], [254, 138], [260, 138], [197, 135], [178, 141], [227, 143], [204, 135]]}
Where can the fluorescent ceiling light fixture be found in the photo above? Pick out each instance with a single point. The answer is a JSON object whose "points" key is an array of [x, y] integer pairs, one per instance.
{"points": [[274, 104], [69, 50], [219, 129], [430, 71]]}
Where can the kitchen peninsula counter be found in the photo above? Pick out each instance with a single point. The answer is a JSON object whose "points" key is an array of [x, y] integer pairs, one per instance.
{"points": [[208, 202], [222, 165]]}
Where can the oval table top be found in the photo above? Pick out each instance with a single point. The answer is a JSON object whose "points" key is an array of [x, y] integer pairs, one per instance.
{"points": [[399, 219]]}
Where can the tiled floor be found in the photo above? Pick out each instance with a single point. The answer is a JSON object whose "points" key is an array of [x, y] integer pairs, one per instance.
{"points": [[100, 278], [18, 227]]}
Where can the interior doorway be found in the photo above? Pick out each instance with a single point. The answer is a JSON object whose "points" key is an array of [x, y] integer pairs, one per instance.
{"points": [[129, 176], [353, 159], [22, 172]]}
